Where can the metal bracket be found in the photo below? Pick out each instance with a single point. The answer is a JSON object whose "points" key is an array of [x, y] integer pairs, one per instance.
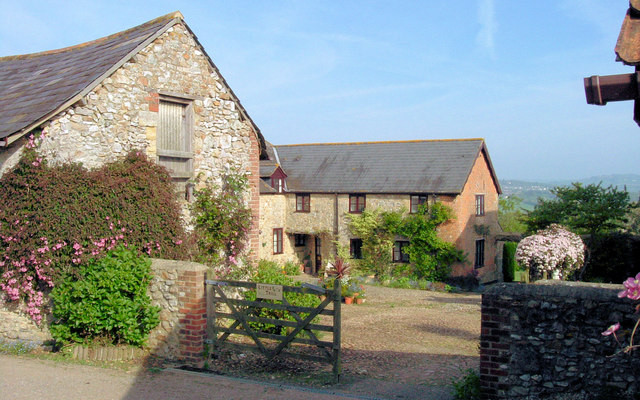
{"points": [[216, 283]]}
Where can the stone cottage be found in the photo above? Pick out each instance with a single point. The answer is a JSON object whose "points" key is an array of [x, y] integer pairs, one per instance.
{"points": [[151, 88], [307, 190]]}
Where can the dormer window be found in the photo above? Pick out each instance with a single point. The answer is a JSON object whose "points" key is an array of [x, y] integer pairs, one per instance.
{"points": [[278, 180]]}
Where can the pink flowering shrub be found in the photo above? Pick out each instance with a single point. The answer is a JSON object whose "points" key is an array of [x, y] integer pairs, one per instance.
{"points": [[631, 291], [55, 218], [554, 250]]}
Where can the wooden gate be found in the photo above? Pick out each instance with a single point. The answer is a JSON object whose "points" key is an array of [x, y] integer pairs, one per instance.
{"points": [[221, 324]]}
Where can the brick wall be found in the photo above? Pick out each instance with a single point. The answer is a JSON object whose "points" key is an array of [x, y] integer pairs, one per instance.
{"points": [[254, 201], [543, 341]]}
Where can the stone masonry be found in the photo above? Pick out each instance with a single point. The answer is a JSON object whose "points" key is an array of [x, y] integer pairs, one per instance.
{"points": [[177, 288], [544, 341]]}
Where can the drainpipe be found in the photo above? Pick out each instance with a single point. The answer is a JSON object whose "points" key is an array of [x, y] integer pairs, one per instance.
{"points": [[335, 221]]}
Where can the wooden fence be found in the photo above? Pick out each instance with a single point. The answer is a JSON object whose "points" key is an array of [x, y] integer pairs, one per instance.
{"points": [[242, 313]]}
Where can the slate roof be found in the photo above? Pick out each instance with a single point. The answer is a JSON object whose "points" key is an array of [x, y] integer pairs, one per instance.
{"points": [[420, 166], [35, 87], [628, 45]]}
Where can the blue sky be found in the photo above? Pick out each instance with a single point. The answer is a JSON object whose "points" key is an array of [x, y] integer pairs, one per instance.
{"points": [[333, 71]]}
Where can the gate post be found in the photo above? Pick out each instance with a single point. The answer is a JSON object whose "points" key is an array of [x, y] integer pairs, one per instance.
{"points": [[337, 303]]}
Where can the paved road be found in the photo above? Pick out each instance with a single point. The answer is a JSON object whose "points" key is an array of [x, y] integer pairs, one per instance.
{"points": [[23, 378]]}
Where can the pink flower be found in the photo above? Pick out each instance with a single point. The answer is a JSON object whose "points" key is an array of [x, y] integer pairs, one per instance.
{"points": [[632, 288], [612, 329]]}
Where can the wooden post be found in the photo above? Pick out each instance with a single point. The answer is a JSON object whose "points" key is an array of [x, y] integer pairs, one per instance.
{"points": [[337, 303], [212, 333]]}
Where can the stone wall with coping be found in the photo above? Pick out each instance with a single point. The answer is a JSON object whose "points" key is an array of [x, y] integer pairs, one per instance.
{"points": [[544, 341], [177, 288]]}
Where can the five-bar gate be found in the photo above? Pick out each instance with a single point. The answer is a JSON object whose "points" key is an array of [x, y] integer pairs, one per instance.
{"points": [[236, 318]]}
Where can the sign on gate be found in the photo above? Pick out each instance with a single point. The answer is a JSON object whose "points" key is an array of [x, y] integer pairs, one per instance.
{"points": [[269, 292]]}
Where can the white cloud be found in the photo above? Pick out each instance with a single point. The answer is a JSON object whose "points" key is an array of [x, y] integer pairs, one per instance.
{"points": [[488, 26]]}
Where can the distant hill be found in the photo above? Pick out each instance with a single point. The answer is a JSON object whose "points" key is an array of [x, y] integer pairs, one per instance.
{"points": [[529, 192]]}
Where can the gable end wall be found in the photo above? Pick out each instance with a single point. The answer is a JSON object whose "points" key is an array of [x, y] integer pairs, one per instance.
{"points": [[121, 115]]}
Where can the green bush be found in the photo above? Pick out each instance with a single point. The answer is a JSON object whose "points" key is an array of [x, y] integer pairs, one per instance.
{"points": [[269, 272], [467, 387], [509, 264], [108, 303], [291, 268]]}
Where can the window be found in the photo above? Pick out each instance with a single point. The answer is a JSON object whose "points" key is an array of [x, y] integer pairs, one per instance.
{"points": [[399, 253], [300, 240], [277, 241], [277, 183], [356, 203], [303, 202], [479, 204], [174, 137], [416, 201], [355, 249], [479, 253]]}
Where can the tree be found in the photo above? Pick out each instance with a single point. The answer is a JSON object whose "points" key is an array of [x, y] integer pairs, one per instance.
{"points": [[510, 215], [588, 209]]}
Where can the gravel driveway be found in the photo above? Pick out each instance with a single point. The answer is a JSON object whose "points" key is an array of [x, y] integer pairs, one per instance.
{"points": [[400, 344]]}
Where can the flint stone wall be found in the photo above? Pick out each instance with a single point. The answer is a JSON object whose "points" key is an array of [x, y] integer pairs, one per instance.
{"points": [[544, 341], [177, 288]]}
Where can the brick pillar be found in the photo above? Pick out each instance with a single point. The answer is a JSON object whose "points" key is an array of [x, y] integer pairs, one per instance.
{"points": [[254, 202], [193, 315], [495, 347]]}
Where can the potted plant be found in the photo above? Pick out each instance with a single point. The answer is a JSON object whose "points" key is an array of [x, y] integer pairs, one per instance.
{"points": [[359, 299], [347, 293]]}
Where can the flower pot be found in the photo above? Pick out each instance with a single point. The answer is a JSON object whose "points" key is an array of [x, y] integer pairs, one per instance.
{"points": [[359, 301], [348, 300]]}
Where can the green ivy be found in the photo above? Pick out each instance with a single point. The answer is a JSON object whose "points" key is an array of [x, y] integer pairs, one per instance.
{"points": [[430, 256], [222, 220], [107, 303]]}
